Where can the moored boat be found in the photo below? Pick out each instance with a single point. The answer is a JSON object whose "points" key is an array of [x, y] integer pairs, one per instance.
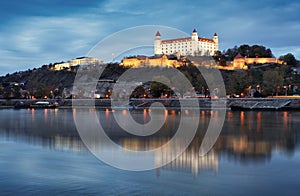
{"points": [[44, 104]]}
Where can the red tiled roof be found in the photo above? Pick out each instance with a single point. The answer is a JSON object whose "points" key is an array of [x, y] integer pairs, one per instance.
{"points": [[186, 39], [205, 39], [239, 56]]}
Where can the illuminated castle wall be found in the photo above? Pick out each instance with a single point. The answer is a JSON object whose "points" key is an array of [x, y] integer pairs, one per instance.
{"points": [[241, 62], [161, 60]]}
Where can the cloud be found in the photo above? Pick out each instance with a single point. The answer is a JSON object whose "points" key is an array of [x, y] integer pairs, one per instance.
{"points": [[42, 40], [129, 7], [44, 32]]}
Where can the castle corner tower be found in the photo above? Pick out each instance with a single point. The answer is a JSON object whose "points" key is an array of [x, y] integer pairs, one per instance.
{"points": [[195, 35], [216, 40], [157, 44]]}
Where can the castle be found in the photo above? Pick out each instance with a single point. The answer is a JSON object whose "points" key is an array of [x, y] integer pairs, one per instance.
{"points": [[188, 46], [158, 60], [241, 62]]}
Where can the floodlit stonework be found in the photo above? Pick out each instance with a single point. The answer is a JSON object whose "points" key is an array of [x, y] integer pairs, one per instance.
{"points": [[241, 62], [158, 60]]}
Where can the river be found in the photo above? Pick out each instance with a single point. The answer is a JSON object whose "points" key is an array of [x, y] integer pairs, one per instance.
{"points": [[256, 153]]}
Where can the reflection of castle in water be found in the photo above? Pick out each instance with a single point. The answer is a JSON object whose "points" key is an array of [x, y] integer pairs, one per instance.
{"points": [[246, 136], [68, 143], [254, 136], [189, 160], [192, 162]]}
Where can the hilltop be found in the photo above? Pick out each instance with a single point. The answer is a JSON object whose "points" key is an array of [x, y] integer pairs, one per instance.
{"points": [[258, 80]]}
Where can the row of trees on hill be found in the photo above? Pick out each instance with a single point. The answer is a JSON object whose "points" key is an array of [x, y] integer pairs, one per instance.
{"points": [[274, 80], [251, 52], [244, 50]]}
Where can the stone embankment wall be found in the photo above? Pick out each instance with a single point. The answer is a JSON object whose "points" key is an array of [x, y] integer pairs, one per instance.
{"points": [[204, 103]]}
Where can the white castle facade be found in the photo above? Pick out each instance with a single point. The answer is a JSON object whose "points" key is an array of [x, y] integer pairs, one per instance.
{"points": [[193, 45]]}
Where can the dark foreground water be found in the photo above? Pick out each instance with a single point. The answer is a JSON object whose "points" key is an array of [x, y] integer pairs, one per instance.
{"points": [[256, 153]]}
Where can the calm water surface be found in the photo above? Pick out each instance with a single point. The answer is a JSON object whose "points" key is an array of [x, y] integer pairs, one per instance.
{"points": [[256, 153]]}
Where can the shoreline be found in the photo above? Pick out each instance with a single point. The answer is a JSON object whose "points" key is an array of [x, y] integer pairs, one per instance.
{"points": [[171, 103]]}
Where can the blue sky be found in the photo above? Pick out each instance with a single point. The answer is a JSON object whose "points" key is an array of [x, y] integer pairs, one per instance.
{"points": [[37, 32]]}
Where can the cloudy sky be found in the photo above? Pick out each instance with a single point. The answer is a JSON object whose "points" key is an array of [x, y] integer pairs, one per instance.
{"points": [[37, 32]]}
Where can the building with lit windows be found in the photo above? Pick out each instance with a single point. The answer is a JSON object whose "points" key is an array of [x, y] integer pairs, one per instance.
{"points": [[76, 62], [192, 46]]}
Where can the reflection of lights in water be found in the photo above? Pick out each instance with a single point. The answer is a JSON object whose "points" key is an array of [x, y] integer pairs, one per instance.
{"points": [[202, 114], [243, 147], [239, 144], [258, 121], [45, 115], [106, 112], [166, 112], [187, 161], [173, 112], [145, 115], [74, 112], [191, 161], [45, 112], [242, 118], [67, 143], [32, 115], [285, 119], [230, 115], [186, 112], [124, 112]]}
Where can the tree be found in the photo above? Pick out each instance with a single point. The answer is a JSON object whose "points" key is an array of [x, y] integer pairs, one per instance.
{"points": [[157, 89], [289, 59], [220, 58], [42, 91], [139, 92], [238, 82], [249, 51], [16, 92], [272, 81]]}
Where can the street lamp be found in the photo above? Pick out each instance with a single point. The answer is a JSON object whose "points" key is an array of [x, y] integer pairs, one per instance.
{"points": [[285, 87]]}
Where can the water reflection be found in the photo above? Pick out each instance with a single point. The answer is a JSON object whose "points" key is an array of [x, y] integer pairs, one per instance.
{"points": [[247, 137]]}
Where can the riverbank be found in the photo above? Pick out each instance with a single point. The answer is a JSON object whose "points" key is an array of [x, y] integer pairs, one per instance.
{"points": [[204, 103]]}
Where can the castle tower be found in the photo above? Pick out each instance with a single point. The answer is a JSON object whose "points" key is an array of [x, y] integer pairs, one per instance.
{"points": [[195, 35], [157, 44], [195, 45], [216, 40]]}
